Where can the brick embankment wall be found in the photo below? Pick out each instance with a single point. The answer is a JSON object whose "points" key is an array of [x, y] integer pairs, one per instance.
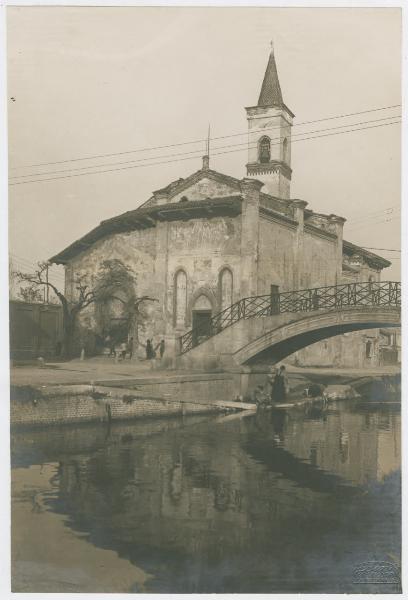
{"points": [[75, 404], [34, 409]]}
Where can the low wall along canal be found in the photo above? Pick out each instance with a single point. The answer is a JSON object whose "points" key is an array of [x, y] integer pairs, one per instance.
{"points": [[121, 399]]}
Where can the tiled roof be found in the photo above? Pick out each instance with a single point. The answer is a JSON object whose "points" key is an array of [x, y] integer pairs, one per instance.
{"points": [[271, 94]]}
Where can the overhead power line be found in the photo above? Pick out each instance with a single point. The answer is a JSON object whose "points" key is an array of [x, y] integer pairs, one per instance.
{"points": [[377, 213], [385, 215], [193, 151], [194, 157], [222, 137], [372, 224]]}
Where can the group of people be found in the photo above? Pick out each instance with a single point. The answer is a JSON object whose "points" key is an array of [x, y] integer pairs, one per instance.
{"points": [[275, 390], [151, 351], [125, 349]]}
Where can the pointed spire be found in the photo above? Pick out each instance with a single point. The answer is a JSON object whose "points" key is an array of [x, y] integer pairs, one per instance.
{"points": [[271, 94]]}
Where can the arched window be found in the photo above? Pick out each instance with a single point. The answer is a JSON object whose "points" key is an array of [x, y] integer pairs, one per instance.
{"points": [[180, 298], [225, 288], [264, 150], [285, 150]]}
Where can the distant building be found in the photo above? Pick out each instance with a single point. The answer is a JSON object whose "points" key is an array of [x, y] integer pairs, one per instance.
{"points": [[205, 241]]}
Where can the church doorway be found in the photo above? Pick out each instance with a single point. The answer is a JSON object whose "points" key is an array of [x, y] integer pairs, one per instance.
{"points": [[201, 325], [201, 319]]}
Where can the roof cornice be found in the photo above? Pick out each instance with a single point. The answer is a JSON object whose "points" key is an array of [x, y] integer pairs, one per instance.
{"points": [[146, 218]]}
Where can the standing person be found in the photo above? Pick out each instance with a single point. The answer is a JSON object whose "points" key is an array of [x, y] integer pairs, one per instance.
{"points": [[280, 385], [129, 348], [149, 350], [111, 344], [162, 348], [122, 350]]}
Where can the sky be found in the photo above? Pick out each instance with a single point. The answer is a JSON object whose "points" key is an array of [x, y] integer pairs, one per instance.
{"points": [[86, 81]]}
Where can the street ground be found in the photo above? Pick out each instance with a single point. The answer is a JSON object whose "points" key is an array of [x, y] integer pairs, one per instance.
{"points": [[103, 368]]}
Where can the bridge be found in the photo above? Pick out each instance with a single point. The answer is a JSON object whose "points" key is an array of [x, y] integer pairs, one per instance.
{"points": [[268, 328]]}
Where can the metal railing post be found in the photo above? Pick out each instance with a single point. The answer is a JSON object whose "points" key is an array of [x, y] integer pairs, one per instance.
{"points": [[275, 300]]}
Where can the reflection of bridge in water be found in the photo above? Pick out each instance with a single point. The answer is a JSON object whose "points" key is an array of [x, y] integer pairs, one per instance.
{"points": [[250, 501], [271, 327]]}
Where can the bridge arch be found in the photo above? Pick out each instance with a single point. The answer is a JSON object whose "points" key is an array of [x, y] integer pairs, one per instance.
{"points": [[279, 340]]}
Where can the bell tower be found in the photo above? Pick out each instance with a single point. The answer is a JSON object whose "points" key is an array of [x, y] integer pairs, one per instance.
{"points": [[269, 136]]}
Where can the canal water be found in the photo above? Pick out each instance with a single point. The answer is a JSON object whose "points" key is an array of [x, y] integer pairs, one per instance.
{"points": [[296, 502]]}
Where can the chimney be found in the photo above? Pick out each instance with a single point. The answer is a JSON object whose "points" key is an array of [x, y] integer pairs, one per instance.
{"points": [[206, 163]]}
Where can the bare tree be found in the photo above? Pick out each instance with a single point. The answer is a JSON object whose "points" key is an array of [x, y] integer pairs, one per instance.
{"points": [[112, 276], [30, 294]]}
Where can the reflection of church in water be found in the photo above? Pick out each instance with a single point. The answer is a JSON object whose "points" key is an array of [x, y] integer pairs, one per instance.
{"points": [[207, 240], [253, 488]]}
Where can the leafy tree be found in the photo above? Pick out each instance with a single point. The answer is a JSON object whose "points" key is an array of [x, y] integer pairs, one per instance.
{"points": [[112, 276]]}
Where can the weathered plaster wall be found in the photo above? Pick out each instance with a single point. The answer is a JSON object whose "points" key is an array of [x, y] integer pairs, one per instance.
{"points": [[136, 249], [202, 248], [275, 258], [347, 350], [275, 183], [319, 259]]}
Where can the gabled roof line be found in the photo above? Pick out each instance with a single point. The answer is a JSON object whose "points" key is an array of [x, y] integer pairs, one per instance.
{"points": [[185, 183]]}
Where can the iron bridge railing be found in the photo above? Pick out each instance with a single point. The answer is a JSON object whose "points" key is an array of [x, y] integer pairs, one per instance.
{"points": [[334, 297]]}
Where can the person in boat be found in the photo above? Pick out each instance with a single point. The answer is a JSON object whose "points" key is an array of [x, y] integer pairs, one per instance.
{"points": [[280, 386]]}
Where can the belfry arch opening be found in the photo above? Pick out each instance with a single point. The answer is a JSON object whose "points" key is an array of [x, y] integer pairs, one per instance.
{"points": [[264, 149], [285, 156]]}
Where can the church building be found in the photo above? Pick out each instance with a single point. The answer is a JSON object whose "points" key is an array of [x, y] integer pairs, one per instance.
{"points": [[205, 241]]}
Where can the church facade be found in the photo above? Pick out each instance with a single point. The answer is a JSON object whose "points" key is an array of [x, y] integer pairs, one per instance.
{"points": [[205, 241]]}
